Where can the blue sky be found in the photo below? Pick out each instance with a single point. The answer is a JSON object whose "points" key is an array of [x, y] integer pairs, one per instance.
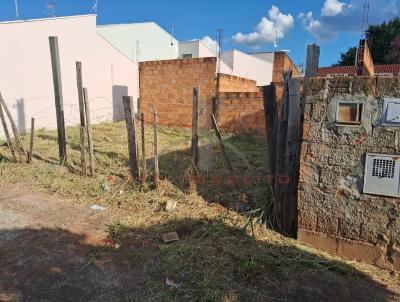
{"points": [[249, 25]]}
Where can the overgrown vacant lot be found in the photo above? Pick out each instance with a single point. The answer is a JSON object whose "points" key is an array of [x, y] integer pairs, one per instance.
{"points": [[224, 253]]}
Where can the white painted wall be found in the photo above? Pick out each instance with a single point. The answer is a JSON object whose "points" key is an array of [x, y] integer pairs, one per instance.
{"points": [[247, 66], [154, 41], [265, 56], [196, 48], [26, 81]]}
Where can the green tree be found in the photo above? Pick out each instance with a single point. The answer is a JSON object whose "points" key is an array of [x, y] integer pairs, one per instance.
{"points": [[382, 42]]}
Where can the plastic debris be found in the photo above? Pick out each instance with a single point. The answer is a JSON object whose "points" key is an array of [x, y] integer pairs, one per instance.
{"points": [[170, 237], [96, 207], [170, 206], [171, 281]]}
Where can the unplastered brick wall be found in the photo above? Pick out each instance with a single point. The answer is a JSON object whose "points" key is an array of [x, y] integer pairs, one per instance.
{"points": [[230, 83], [334, 213], [242, 112], [170, 83], [282, 62]]}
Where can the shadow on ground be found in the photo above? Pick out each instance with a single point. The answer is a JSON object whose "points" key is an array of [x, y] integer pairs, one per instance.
{"points": [[213, 261]]}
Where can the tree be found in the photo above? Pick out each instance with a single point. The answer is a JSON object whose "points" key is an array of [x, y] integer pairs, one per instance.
{"points": [[394, 53], [348, 58], [382, 41]]}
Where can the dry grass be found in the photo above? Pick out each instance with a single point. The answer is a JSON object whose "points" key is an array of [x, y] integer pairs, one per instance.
{"points": [[222, 255]]}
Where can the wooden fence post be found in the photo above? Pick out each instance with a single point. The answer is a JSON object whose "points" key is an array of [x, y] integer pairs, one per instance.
{"points": [[30, 156], [7, 134], [156, 167], [82, 118], [312, 61], [89, 133], [271, 121], [19, 144], [281, 138], [221, 143], [58, 94], [292, 158], [130, 125], [144, 164], [195, 125]]}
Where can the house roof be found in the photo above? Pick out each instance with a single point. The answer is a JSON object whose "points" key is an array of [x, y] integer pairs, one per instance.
{"points": [[351, 70]]}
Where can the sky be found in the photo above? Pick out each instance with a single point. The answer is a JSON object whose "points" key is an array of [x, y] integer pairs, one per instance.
{"points": [[248, 25]]}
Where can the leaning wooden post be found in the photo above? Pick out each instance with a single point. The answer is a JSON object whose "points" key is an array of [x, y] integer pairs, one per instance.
{"points": [[195, 125], [144, 168], [82, 117], [130, 125], [221, 143], [7, 134], [30, 156], [89, 133], [19, 144], [58, 95], [156, 167]]}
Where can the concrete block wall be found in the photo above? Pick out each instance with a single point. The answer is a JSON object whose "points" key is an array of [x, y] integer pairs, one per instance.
{"points": [[242, 112], [169, 84], [334, 213], [230, 83]]}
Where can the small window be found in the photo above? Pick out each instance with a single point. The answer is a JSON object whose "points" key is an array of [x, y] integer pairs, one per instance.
{"points": [[187, 56], [349, 113]]}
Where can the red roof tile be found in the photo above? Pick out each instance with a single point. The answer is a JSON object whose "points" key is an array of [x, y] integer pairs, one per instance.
{"points": [[391, 68], [351, 70]]}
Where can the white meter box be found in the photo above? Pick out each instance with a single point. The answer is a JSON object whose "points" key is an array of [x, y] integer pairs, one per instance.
{"points": [[382, 175], [391, 112]]}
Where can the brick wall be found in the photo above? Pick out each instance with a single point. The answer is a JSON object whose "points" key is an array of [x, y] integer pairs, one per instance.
{"points": [[230, 83], [242, 112], [170, 84], [334, 213], [282, 62]]}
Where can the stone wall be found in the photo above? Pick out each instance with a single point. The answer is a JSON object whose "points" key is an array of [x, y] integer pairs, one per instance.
{"points": [[169, 84], [230, 83], [334, 213], [242, 112]]}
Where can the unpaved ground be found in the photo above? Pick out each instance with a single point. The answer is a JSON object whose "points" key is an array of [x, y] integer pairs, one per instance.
{"points": [[45, 251], [48, 253]]}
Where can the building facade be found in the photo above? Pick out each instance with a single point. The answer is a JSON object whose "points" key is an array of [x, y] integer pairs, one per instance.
{"points": [[26, 74]]}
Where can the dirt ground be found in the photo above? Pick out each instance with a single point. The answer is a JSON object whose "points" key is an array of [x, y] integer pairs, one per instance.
{"points": [[50, 250], [45, 250]]}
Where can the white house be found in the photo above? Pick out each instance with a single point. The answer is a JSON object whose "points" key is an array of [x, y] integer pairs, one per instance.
{"points": [[244, 65], [194, 49], [26, 81], [141, 41]]}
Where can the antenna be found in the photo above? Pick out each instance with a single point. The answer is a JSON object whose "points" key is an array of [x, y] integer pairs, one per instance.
{"points": [[94, 7], [16, 9], [220, 35], [365, 21], [172, 34], [137, 51], [50, 9], [276, 39]]}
